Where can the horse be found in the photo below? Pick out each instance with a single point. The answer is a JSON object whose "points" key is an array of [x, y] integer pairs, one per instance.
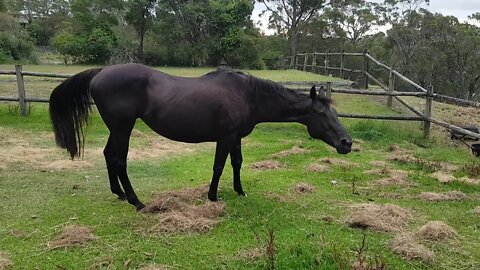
{"points": [[222, 106]]}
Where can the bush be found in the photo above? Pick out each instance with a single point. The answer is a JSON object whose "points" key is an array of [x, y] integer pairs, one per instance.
{"points": [[14, 48]]}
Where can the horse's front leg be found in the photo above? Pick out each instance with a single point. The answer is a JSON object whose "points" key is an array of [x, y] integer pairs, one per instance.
{"points": [[221, 153], [236, 160]]}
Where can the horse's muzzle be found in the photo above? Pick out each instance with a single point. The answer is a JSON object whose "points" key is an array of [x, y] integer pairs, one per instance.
{"points": [[345, 147]]}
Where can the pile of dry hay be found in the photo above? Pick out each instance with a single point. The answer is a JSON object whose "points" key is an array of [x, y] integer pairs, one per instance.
{"points": [[445, 196], [386, 218], [303, 188], [315, 167], [186, 210], [295, 150], [267, 165], [5, 262], [436, 231], [73, 235], [407, 245]]}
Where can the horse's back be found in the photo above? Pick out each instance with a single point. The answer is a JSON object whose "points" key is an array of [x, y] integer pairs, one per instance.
{"points": [[184, 109]]}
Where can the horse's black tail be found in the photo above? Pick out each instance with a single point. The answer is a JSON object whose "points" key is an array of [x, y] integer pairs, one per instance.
{"points": [[69, 108]]}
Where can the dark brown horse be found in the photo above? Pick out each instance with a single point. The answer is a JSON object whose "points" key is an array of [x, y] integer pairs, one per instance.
{"points": [[222, 106]]}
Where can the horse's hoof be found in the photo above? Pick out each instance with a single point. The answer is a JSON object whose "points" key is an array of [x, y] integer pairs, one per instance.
{"points": [[140, 206], [212, 198], [241, 193]]}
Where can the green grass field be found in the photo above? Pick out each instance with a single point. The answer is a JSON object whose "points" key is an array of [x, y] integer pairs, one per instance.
{"points": [[42, 192]]}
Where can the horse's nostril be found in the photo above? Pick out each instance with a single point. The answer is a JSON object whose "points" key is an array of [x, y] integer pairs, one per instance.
{"points": [[347, 142]]}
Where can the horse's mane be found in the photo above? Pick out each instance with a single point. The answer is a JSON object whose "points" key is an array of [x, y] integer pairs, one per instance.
{"points": [[270, 88]]}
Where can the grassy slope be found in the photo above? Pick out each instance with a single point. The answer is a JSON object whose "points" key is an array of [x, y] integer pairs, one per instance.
{"points": [[36, 204]]}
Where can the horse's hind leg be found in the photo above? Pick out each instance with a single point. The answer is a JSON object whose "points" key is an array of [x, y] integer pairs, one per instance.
{"points": [[112, 174], [120, 136], [236, 160]]}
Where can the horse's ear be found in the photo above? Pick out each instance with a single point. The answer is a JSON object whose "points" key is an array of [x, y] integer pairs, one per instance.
{"points": [[313, 93], [322, 91]]}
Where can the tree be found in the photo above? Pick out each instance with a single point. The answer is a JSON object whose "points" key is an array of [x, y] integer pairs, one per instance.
{"points": [[289, 16], [140, 15], [353, 21]]}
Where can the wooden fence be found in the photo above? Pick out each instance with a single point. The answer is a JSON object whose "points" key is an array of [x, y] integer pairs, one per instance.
{"points": [[322, 63], [330, 88]]}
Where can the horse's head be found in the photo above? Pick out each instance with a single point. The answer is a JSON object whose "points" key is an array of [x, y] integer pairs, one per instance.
{"points": [[323, 123]]}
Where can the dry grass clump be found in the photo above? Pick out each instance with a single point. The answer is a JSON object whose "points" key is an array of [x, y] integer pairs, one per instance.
{"points": [[379, 163], [315, 167], [252, 254], [185, 210], [386, 218], [436, 231], [5, 262], [73, 235], [454, 195], [477, 210], [395, 178], [295, 150], [443, 177], [406, 246], [470, 181], [337, 162], [155, 267], [403, 158], [303, 188], [390, 195], [267, 165]]}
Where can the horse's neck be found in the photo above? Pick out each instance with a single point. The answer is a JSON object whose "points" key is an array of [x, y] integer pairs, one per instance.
{"points": [[288, 108]]}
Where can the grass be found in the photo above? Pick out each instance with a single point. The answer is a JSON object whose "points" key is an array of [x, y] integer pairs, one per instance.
{"points": [[37, 203]]}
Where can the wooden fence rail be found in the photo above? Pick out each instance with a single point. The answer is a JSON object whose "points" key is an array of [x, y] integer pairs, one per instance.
{"points": [[315, 65]]}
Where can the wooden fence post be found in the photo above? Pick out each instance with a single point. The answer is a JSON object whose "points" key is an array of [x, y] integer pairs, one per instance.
{"points": [[326, 63], [329, 89], [365, 68], [314, 63], [296, 61], [391, 87], [428, 112], [305, 60], [342, 64], [21, 91]]}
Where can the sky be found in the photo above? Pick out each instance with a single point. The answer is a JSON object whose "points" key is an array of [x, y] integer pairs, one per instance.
{"points": [[458, 8]]}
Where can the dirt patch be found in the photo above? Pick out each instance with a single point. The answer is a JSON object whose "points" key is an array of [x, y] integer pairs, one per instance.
{"points": [[267, 165], [186, 210], [337, 162], [406, 246], [443, 177], [436, 231], [445, 196], [386, 218], [303, 188], [73, 235], [5, 262], [295, 150], [477, 210], [381, 171], [315, 167]]}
